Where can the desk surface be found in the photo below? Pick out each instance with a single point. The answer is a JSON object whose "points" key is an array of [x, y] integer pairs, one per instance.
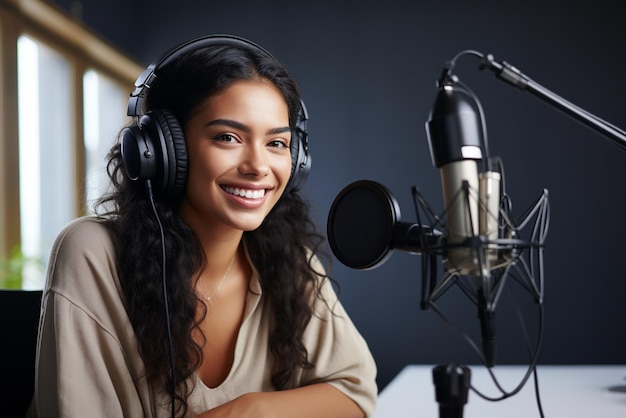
{"points": [[565, 391]]}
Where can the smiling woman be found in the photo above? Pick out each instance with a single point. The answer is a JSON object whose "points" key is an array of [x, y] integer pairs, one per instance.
{"points": [[200, 290]]}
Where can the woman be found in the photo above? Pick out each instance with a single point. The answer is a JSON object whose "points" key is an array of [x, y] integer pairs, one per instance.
{"points": [[198, 290]]}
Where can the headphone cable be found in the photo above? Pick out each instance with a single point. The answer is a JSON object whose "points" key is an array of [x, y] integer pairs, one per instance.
{"points": [[165, 298]]}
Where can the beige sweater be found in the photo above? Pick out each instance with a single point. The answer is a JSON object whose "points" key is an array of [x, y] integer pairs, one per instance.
{"points": [[88, 363]]}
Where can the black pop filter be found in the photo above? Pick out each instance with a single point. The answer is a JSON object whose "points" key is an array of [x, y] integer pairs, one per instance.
{"points": [[361, 224]]}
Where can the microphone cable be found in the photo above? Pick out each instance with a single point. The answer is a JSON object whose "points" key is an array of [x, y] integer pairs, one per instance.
{"points": [[534, 355], [165, 299]]}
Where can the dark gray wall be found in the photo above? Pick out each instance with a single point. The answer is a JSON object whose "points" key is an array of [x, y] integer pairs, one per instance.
{"points": [[367, 71]]}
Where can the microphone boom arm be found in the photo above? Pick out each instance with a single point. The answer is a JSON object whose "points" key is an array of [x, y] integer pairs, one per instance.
{"points": [[516, 78]]}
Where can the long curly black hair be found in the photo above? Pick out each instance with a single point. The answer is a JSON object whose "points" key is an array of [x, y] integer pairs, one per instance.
{"points": [[280, 248]]}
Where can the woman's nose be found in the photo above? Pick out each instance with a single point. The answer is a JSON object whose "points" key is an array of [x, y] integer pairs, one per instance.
{"points": [[254, 161]]}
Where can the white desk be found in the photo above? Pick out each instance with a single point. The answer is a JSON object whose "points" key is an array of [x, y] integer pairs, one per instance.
{"points": [[565, 391]]}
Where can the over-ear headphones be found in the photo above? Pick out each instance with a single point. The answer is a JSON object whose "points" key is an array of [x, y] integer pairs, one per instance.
{"points": [[155, 148]]}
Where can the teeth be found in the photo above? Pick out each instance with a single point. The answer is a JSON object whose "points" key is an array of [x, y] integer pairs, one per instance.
{"points": [[248, 194]]}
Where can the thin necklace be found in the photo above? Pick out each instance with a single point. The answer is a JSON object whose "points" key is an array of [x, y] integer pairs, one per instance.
{"points": [[217, 289]]}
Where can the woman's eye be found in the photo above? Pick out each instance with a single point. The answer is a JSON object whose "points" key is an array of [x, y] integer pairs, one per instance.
{"points": [[226, 138], [279, 143]]}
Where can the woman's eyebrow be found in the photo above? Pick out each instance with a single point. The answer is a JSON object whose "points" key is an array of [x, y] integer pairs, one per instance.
{"points": [[240, 126], [230, 123], [279, 130]]}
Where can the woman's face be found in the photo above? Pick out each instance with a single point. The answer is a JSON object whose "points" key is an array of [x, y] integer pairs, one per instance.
{"points": [[239, 159]]}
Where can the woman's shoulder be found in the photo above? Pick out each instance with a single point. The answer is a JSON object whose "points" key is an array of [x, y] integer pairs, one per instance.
{"points": [[82, 274], [83, 233], [85, 225], [85, 246]]}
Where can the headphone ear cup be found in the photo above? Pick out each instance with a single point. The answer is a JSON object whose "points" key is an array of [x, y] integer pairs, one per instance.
{"points": [[174, 152], [300, 161], [137, 154], [156, 150], [300, 157]]}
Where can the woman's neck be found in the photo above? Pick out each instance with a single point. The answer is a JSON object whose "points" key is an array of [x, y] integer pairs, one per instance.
{"points": [[221, 247]]}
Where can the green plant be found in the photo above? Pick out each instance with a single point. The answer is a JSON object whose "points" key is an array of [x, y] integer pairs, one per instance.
{"points": [[12, 268]]}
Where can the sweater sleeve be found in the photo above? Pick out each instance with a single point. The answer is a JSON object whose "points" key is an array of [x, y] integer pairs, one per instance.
{"points": [[86, 355], [340, 355]]}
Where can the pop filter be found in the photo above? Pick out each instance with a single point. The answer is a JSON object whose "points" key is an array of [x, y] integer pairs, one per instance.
{"points": [[361, 224]]}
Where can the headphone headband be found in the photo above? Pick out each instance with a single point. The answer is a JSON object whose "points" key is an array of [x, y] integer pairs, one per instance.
{"points": [[145, 79]]}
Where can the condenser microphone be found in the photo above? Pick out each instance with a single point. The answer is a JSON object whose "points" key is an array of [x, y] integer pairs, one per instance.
{"points": [[364, 226], [455, 137]]}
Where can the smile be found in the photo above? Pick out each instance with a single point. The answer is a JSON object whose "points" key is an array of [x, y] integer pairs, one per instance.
{"points": [[247, 193]]}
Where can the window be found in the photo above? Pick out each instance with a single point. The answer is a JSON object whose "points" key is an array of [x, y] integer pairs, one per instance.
{"points": [[104, 104], [45, 151], [63, 94]]}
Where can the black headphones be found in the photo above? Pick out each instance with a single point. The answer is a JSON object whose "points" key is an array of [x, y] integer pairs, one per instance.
{"points": [[155, 148]]}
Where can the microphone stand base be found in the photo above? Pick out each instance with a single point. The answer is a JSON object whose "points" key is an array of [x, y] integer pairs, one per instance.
{"points": [[452, 384]]}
